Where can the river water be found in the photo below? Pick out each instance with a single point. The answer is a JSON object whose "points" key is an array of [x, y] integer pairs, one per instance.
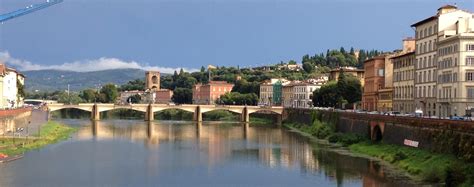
{"points": [[138, 153]]}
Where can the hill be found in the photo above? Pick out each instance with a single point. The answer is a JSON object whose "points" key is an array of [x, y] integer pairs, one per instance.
{"points": [[52, 80]]}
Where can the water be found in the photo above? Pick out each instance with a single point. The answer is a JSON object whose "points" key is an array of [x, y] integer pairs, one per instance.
{"points": [[137, 153]]}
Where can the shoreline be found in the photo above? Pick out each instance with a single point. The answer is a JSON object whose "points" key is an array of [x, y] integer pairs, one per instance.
{"points": [[51, 133], [420, 166], [345, 150]]}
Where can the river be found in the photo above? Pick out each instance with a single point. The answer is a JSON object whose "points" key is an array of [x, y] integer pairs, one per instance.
{"points": [[138, 153]]}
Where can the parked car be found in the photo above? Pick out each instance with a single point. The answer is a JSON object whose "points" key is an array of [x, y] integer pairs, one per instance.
{"points": [[457, 118]]}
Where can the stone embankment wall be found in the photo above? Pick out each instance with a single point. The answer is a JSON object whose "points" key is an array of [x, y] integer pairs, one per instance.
{"points": [[15, 112], [441, 136]]}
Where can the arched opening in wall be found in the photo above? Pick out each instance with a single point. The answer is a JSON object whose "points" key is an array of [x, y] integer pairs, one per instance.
{"points": [[122, 113], [154, 79], [153, 87], [221, 115], [266, 117], [377, 134], [71, 113], [174, 114]]}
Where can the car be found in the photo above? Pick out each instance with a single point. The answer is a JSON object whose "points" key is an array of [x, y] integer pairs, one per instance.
{"points": [[457, 118]]}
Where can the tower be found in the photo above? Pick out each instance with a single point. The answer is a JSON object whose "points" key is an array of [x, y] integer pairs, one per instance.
{"points": [[152, 80]]}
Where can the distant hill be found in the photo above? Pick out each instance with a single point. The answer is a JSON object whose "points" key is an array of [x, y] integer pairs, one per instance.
{"points": [[52, 80]]}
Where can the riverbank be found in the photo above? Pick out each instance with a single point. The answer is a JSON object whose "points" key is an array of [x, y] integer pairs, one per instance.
{"points": [[50, 133], [422, 165]]}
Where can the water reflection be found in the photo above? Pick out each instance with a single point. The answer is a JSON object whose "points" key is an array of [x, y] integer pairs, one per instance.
{"points": [[211, 154]]}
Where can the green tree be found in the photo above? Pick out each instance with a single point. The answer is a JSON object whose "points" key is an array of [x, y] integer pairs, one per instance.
{"points": [[308, 67], [292, 62], [182, 96], [137, 84], [327, 95], [20, 91], [109, 93], [71, 98], [88, 95]]}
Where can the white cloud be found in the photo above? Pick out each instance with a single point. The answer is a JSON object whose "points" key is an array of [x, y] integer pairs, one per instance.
{"points": [[86, 65]]}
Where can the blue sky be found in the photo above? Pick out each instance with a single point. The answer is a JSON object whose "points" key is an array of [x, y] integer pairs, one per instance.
{"points": [[194, 33]]}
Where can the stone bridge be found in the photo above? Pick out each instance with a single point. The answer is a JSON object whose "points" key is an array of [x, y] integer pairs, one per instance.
{"points": [[150, 109]]}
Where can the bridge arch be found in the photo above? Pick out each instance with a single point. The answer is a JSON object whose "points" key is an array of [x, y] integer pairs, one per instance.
{"points": [[376, 131]]}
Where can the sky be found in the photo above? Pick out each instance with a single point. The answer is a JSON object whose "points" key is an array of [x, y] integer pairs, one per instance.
{"points": [[88, 35]]}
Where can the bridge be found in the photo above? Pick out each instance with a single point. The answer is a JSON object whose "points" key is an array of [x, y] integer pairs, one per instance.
{"points": [[150, 109]]}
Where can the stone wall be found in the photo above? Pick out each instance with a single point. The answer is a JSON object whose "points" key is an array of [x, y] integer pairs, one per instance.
{"points": [[442, 136]]}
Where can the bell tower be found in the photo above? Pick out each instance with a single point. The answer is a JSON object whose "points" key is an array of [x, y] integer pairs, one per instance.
{"points": [[152, 80]]}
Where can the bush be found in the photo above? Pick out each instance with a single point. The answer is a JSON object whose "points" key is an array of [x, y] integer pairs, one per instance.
{"points": [[399, 156], [345, 139], [432, 174]]}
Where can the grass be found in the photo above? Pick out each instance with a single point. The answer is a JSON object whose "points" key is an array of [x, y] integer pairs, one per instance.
{"points": [[51, 132], [422, 164]]}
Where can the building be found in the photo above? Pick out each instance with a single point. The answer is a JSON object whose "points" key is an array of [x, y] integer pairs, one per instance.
{"points": [[211, 92], [374, 80], [123, 98], [271, 91], [163, 96], [152, 80], [10, 82], [404, 82], [385, 94], [359, 73], [455, 64], [303, 94], [427, 34], [287, 95]]}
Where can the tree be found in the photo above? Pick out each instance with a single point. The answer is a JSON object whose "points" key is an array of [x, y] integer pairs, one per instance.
{"points": [[203, 69], [137, 84], [326, 96], [182, 96], [235, 98], [308, 67], [109, 93], [88, 95], [71, 98], [292, 62], [20, 91]]}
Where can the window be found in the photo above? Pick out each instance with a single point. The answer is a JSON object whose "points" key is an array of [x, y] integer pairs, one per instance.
{"points": [[470, 61], [470, 76], [381, 72], [470, 92], [470, 47]]}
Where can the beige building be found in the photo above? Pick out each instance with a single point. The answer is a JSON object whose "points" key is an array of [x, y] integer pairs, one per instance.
{"points": [[303, 94], [403, 82], [456, 66], [359, 73], [287, 95], [271, 91], [428, 32]]}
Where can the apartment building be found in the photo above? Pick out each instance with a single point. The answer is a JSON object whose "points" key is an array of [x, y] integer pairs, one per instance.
{"points": [[374, 81], [456, 67], [403, 82], [426, 59], [271, 91], [209, 93], [9, 83], [303, 94]]}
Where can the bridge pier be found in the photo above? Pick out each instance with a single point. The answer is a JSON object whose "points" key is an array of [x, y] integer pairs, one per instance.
{"points": [[197, 114], [149, 115], [245, 118], [95, 114]]}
